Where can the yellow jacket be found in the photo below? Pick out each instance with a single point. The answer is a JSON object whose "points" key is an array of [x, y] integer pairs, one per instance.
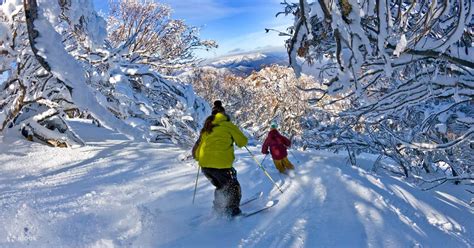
{"points": [[216, 149]]}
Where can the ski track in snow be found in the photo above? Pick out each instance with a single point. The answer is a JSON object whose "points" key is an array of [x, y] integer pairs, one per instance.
{"points": [[118, 193]]}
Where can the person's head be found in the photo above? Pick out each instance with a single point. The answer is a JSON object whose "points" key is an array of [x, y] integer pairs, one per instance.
{"points": [[273, 125], [217, 108]]}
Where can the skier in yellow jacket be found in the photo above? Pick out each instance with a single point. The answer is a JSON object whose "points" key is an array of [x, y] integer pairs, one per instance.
{"points": [[214, 151]]}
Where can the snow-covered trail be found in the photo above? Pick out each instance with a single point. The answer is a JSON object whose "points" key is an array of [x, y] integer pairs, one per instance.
{"points": [[116, 193]]}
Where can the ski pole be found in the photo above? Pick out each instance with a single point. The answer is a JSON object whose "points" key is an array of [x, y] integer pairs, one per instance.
{"points": [[297, 160], [264, 159], [196, 184], [264, 171], [288, 148]]}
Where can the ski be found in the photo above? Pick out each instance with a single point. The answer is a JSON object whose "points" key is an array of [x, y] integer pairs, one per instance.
{"points": [[253, 212], [252, 198], [202, 217]]}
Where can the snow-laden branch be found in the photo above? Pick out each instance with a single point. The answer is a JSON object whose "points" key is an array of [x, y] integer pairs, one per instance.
{"points": [[432, 147], [441, 180], [396, 78], [47, 46]]}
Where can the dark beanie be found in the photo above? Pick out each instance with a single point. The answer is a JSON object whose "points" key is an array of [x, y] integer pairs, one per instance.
{"points": [[217, 108]]}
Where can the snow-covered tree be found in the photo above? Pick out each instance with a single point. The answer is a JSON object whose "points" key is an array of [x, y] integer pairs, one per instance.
{"points": [[271, 94], [160, 41], [275, 97], [57, 64], [398, 78], [33, 97]]}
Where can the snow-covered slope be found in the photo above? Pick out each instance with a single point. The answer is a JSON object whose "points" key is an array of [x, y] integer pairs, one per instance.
{"points": [[245, 63], [119, 193]]}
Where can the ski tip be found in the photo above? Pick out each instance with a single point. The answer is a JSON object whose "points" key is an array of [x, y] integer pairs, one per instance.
{"points": [[271, 203]]}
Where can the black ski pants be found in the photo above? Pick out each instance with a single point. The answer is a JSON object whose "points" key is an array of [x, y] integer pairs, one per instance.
{"points": [[228, 193]]}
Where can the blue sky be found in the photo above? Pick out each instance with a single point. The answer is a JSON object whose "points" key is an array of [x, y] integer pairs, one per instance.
{"points": [[237, 25]]}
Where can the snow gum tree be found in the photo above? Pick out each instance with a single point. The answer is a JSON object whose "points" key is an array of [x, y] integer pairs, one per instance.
{"points": [[254, 101], [32, 96], [160, 41], [59, 65], [397, 79]]}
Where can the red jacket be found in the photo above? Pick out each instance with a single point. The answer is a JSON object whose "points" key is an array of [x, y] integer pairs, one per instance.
{"points": [[277, 143]]}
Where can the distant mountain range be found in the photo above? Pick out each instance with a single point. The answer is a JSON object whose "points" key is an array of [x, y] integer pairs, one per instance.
{"points": [[245, 63]]}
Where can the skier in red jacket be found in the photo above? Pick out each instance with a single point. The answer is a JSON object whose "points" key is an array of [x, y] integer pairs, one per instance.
{"points": [[278, 145]]}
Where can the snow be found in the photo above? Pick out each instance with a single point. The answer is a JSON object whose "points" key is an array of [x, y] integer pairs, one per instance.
{"points": [[115, 192], [401, 46], [384, 33], [246, 62], [442, 45], [11, 8], [95, 25], [66, 68], [3, 78], [234, 59]]}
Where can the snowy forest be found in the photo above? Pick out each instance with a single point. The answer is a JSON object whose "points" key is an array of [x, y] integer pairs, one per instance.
{"points": [[386, 87]]}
